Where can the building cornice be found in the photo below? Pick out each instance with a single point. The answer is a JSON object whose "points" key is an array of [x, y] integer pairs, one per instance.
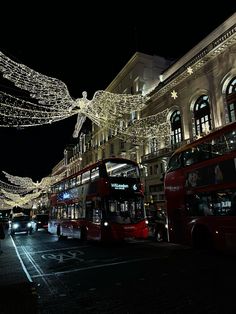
{"points": [[214, 44], [136, 58]]}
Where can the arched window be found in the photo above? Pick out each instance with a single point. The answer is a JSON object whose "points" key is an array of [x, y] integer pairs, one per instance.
{"points": [[176, 130], [231, 99], [202, 115]]}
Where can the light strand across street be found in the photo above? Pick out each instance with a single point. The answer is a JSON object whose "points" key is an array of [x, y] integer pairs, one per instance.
{"points": [[55, 103]]}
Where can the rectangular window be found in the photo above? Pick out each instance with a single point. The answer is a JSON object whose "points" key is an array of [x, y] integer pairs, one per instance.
{"points": [[85, 176], [78, 180], [94, 174], [156, 169], [217, 203]]}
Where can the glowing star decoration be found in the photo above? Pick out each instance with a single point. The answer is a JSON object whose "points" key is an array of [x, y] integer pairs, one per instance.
{"points": [[54, 103], [174, 94], [28, 184], [190, 70]]}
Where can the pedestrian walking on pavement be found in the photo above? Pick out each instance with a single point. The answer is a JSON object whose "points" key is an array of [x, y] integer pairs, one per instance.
{"points": [[2, 235]]}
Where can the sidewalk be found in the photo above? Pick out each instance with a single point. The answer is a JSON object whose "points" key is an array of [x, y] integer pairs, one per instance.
{"points": [[17, 293]]}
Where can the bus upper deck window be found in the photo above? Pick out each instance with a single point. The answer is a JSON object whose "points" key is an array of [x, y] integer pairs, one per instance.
{"points": [[174, 163], [192, 156]]}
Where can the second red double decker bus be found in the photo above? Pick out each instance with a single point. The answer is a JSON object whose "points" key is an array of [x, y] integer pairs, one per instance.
{"points": [[103, 202], [200, 189]]}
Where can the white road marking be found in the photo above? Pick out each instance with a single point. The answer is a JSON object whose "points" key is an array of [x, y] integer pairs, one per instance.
{"points": [[98, 266], [60, 249], [22, 264], [61, 257], [39, 271]]}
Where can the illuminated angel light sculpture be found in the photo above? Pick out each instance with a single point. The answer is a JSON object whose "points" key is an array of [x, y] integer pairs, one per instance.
{"points": [[154, 126], [13, 199], [4, 205], [12, 188], [54, 102], [29, 185]]}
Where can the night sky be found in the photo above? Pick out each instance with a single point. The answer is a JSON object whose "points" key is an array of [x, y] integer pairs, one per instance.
{"points": [[86, 52]]}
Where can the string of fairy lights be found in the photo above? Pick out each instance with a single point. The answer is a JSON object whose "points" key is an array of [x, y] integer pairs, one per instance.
{"points": [[12, 188], [29, 185], [144, 129], [23, 190], [16, 200]]}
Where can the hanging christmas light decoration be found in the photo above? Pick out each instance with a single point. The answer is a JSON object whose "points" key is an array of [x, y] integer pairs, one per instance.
{"points": [[12, 188], [4, 206], [54, 102], [155, 126], [9, 204], [18, 200], [28, 184], [15, 112]]}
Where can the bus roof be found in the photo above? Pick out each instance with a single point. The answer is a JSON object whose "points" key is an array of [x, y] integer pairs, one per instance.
{"points": [[215, 133], [97, 163]]}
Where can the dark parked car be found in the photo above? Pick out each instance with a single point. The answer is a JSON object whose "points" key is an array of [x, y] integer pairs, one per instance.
{"points": [[22, 223], [41, 221]]}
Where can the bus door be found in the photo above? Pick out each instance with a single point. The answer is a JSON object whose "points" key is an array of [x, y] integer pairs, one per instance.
{"points": [[94, 218]]}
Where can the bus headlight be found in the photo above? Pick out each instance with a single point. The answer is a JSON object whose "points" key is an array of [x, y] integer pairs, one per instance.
{"points": [[146, 222], [106, 223]]}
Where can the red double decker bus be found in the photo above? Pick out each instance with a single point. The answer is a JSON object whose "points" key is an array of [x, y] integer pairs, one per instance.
{"points": [[200, 189], [104, 201]]}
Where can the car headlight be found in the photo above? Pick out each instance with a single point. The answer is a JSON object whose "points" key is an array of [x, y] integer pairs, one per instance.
{"points": [[15, 226], [29, 224]]}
